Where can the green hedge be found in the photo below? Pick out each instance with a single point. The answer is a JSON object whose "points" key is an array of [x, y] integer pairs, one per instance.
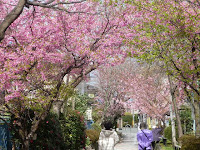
{"points": [[73, 129], [93, 135], [190, 142], [96, 127], [127, 118], [136, 120], [168, 133], [49, 135]]}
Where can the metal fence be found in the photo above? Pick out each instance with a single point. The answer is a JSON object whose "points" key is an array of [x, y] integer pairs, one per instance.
{"points": [[5, 137]]}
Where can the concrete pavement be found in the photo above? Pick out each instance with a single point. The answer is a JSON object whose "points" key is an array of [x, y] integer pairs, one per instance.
{"points": [[129, 141]]}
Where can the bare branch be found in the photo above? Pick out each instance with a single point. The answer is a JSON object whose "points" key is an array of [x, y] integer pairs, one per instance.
{"points": [[80, 77], [184, 78], [54, 6], [51, 1], [193, 3]]}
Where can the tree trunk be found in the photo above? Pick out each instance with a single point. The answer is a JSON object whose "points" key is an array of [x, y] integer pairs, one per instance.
{"points": [[11, 17], [174, 142], [2, 97], [163, 127], [197, 118], [25, 144], [178, 120], [194, 100], [159, 123], [13, 145], [23, 137], [25, 134]]}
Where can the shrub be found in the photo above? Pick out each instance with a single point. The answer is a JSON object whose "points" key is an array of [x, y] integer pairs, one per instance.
{"points": [[136, 120], [186, 119], [168, 133], [96, 127], [66, 133], [93, 135], [49, 135], [190, 142], [52, 134], [73, 129], [127, 118]]}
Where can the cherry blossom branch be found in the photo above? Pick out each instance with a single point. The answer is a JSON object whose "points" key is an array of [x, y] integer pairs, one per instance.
{"points": [[11, 17], [18, 9], [51, 1], [53, 6], [184, 78], [80, 77]]}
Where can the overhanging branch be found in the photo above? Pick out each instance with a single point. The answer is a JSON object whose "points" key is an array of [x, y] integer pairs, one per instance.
{"points": [[11, 17]]}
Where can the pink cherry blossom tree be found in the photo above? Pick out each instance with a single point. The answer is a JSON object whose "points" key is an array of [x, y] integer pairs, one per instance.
{"points": [[111, 96], [148, 88], [169, 32], [42, 46]]}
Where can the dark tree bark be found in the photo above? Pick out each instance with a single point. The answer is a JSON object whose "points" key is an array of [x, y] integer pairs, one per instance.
{"points": [[2, 97]]}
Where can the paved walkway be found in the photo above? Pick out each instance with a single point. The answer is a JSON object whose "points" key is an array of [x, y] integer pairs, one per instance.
{"points": [[129, 141]]}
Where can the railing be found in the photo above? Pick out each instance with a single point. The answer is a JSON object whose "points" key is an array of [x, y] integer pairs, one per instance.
{"points": [[127, 126], [5, 139]]}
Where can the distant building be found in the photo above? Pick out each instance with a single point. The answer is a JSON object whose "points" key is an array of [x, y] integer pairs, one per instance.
{"points": [[89, 85]]}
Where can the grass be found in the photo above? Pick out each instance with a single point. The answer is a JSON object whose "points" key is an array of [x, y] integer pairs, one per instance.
{"points": [[167, 147]]}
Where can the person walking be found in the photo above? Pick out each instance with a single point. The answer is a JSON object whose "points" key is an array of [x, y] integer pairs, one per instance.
{"points": [[144, 137], [108, 137], [156, 136]]}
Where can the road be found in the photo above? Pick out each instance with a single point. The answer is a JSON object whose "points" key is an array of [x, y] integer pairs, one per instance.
{"points": [[129, 141]]}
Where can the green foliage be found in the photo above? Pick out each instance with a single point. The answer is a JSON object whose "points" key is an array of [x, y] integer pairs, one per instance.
{"points": [[127, 118], [190, 142], [136, 120], [87, 142], [82, 102], [96, 115], [66, 92], [96, 127], [49, 134], [66, 133], [93, 135], [168, 147], [186, 119], [168, 133], [73, 129]]}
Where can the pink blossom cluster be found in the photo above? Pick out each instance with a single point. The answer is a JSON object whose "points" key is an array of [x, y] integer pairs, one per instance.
{"points": [[43, 44]]}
